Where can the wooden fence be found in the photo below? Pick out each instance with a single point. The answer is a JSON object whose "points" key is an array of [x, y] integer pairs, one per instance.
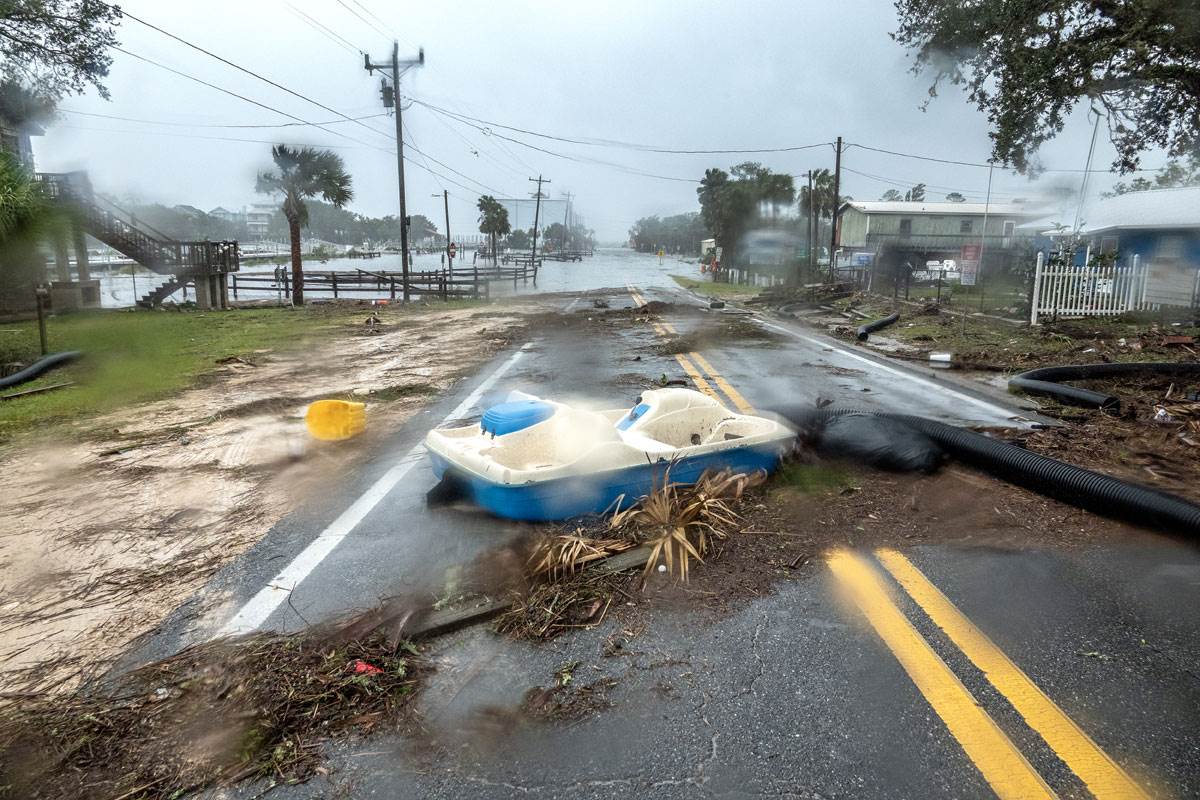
{"points": [[444, 284]]}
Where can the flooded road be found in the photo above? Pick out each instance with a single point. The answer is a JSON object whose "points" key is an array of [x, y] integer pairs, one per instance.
{"points": [[606, 268]]}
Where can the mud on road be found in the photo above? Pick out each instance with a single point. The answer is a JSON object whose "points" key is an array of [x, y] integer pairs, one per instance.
{"points": [[104, 532]]}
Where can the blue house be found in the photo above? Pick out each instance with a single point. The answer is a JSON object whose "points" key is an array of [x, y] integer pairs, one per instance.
{"points": [[1160, 228]]}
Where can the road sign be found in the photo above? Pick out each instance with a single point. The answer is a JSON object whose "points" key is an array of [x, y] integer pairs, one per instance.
{"points": [[453, 249], [969, 263]]}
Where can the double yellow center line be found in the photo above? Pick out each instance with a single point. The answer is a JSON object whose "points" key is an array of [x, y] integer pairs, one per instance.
{"points": [[696, 366], [993, 753], [1002, 765]]}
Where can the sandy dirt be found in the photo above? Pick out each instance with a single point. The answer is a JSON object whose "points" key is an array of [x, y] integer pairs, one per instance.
{"points": [[116, 521]]}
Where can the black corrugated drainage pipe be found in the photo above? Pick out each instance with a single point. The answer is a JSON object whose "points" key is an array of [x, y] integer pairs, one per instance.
{"points": [[1046, 380], [43, 364], [1092, 491], [866, 330]]}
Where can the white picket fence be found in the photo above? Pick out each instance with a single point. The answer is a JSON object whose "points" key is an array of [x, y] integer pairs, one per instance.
{"points": [[1076, 291]]}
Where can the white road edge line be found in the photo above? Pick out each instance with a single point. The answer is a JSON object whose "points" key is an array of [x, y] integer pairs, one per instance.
{"points": [[990, 407], [256, 611]]}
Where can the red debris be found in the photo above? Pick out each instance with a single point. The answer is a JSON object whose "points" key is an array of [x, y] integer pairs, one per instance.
{"points": [[361, 667]]}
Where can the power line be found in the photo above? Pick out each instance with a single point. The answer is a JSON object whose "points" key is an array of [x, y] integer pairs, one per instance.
{"points": [[437, 174], [376, 17], [475, 149], [363, 19], [410, 142], [329, 33], [200, 136], [975, 163], [593, 142], [238, 96], [902, 184], [211, 125], [279, 86], [578, 159], [251, 73]]}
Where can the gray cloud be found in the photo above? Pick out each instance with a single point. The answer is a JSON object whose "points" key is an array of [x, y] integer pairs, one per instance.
{"points": [[695, 75]]}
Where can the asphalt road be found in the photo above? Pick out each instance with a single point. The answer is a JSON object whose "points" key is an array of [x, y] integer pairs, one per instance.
{"points": [[945, 672]]}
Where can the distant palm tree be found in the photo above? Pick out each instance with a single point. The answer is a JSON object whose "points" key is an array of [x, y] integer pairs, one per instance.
{"points": [[303, 173], [820, 202], [493, 220]]}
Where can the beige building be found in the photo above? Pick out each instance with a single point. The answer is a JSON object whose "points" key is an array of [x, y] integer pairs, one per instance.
{"points": [[920, 232]]}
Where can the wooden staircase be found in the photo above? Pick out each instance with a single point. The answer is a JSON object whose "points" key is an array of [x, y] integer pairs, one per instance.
{"points": [[183, 261]]}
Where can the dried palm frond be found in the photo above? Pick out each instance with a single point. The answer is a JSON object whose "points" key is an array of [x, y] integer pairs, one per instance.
{"points": [[564, 554], [680, 521]]}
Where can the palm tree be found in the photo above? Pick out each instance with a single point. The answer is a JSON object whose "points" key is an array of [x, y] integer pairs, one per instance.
{"points": [[820, 202], [303, 173], [493, 220]]}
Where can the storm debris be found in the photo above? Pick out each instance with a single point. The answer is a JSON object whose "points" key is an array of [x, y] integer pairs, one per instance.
{"points": [[220, 712], [681, 521], [574, 577]]}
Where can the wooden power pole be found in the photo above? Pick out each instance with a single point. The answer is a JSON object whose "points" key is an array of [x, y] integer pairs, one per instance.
{"points": [[391, 97], [810, 229], [537, 209], [449, 253], [837, 188]]}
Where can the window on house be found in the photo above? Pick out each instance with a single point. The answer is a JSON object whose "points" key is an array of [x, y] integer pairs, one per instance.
{"points": [[906, 227], [965, 226], [1169, 247], [1108, 244], [1009, 227]]}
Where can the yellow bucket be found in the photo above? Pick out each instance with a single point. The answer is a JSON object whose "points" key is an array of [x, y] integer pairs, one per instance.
{"points": [[334, 420]]}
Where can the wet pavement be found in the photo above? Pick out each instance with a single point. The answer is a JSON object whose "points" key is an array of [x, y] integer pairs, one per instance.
{"points": [[829, 686]]}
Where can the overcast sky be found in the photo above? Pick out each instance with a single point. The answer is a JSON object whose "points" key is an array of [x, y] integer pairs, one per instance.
{"points": [[695, 75]]}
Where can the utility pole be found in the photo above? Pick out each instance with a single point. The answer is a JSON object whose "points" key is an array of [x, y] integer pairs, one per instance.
{"points": [[837, 188], [566, 219], [812, 264], [537, 209], [391, 98], [449, 255]]}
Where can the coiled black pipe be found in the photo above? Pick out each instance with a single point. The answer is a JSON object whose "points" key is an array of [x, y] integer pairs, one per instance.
{"points": [[1046, 380], [864, 331], [1080, 487], [43, 364]]}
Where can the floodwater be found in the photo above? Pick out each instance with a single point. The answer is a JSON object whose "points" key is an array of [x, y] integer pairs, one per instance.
{"points": [[609, 267]]}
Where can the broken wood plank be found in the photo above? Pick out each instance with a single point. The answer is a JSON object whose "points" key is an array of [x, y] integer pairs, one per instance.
{"points": [[38, 390], [446, 620]]}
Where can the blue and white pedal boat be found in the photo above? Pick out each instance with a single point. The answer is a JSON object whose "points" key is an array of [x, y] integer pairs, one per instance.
{"points": [[535, 459]]}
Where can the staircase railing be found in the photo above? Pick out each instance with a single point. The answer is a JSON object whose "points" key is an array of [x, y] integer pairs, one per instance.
{"points": [[120, 230]]}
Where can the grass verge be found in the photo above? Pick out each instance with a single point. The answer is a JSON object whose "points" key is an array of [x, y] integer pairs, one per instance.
{"points": [[980, 342], [136, 356]]}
